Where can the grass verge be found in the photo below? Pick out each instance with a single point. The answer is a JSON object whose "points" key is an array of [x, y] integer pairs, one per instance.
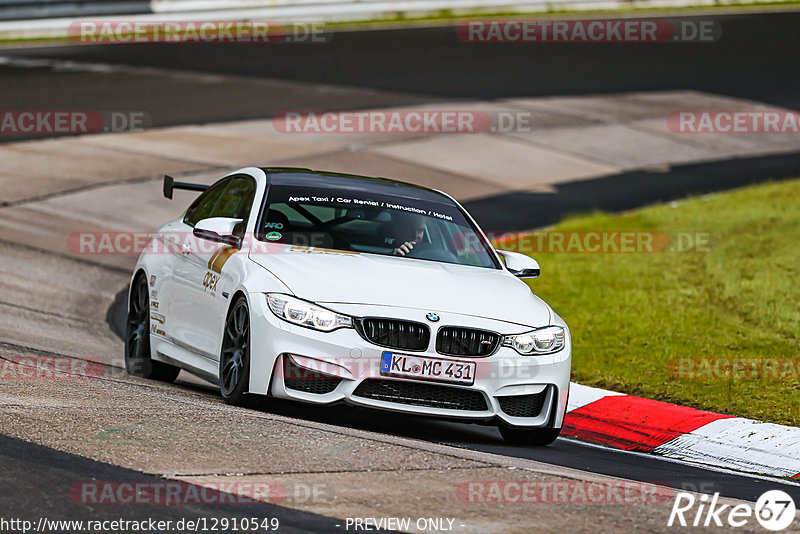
{"points": [[635, 316]]}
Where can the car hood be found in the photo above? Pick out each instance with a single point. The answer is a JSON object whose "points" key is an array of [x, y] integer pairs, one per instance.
{"points": [[328, 277]]}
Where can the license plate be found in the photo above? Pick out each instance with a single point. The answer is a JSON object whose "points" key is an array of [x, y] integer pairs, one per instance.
{"points": [[424, 368]]}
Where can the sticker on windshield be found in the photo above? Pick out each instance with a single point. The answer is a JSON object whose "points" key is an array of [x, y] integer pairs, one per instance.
{"points": [[320, 250], [273, 236]]}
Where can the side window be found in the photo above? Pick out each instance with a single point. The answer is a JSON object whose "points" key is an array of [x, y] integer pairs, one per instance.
{"points": [[238, 198], [203, 205], [231, 197]]}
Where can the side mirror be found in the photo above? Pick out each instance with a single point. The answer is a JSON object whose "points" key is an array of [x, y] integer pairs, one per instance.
{"points": [[520, 265], [218, 229]]}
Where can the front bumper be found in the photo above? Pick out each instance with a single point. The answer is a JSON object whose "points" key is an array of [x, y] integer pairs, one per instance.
{"points": [[342, 361]]}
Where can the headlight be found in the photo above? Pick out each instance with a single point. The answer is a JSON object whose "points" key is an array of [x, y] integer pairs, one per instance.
{"points": [[304, 313], [545, 340]]}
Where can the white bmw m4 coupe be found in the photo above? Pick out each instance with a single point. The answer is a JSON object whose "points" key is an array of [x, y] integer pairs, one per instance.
{"points": [[327, 288]]}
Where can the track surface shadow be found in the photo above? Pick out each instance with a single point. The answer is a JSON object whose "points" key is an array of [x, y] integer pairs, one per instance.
{"points": [[116, 314], [48, 485]]}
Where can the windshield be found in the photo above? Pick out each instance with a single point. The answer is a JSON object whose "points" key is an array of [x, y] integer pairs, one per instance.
{"points": [[373, 216]]}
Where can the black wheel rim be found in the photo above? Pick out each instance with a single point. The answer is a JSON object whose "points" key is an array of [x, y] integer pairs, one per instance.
{"points": [[235, 348], [138, 322]]}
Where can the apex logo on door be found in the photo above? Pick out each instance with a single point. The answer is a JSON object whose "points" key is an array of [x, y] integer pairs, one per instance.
{"points": [[210, 282]]}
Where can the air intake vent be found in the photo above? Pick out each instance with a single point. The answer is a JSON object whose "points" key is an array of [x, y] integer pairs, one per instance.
{"points": [[307, 380], [523, 405], [394, 333], [456, 341], [422, 394]]}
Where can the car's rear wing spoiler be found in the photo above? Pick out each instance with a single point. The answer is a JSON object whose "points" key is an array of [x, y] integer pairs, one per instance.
{"points": [[170, 184]]}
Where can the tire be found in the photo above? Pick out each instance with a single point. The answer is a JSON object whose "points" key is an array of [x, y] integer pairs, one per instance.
{"points": [[137, 337], [234, 360], [529, 436]]}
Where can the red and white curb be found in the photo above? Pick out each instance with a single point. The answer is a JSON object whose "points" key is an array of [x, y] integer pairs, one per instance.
{"points": [[677, 432]]}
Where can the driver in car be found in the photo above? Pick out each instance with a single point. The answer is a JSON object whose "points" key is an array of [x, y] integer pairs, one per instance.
{"points": [[409, 230]]}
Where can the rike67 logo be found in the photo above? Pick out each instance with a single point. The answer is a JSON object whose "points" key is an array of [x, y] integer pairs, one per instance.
{"points": [[774, 510]]}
